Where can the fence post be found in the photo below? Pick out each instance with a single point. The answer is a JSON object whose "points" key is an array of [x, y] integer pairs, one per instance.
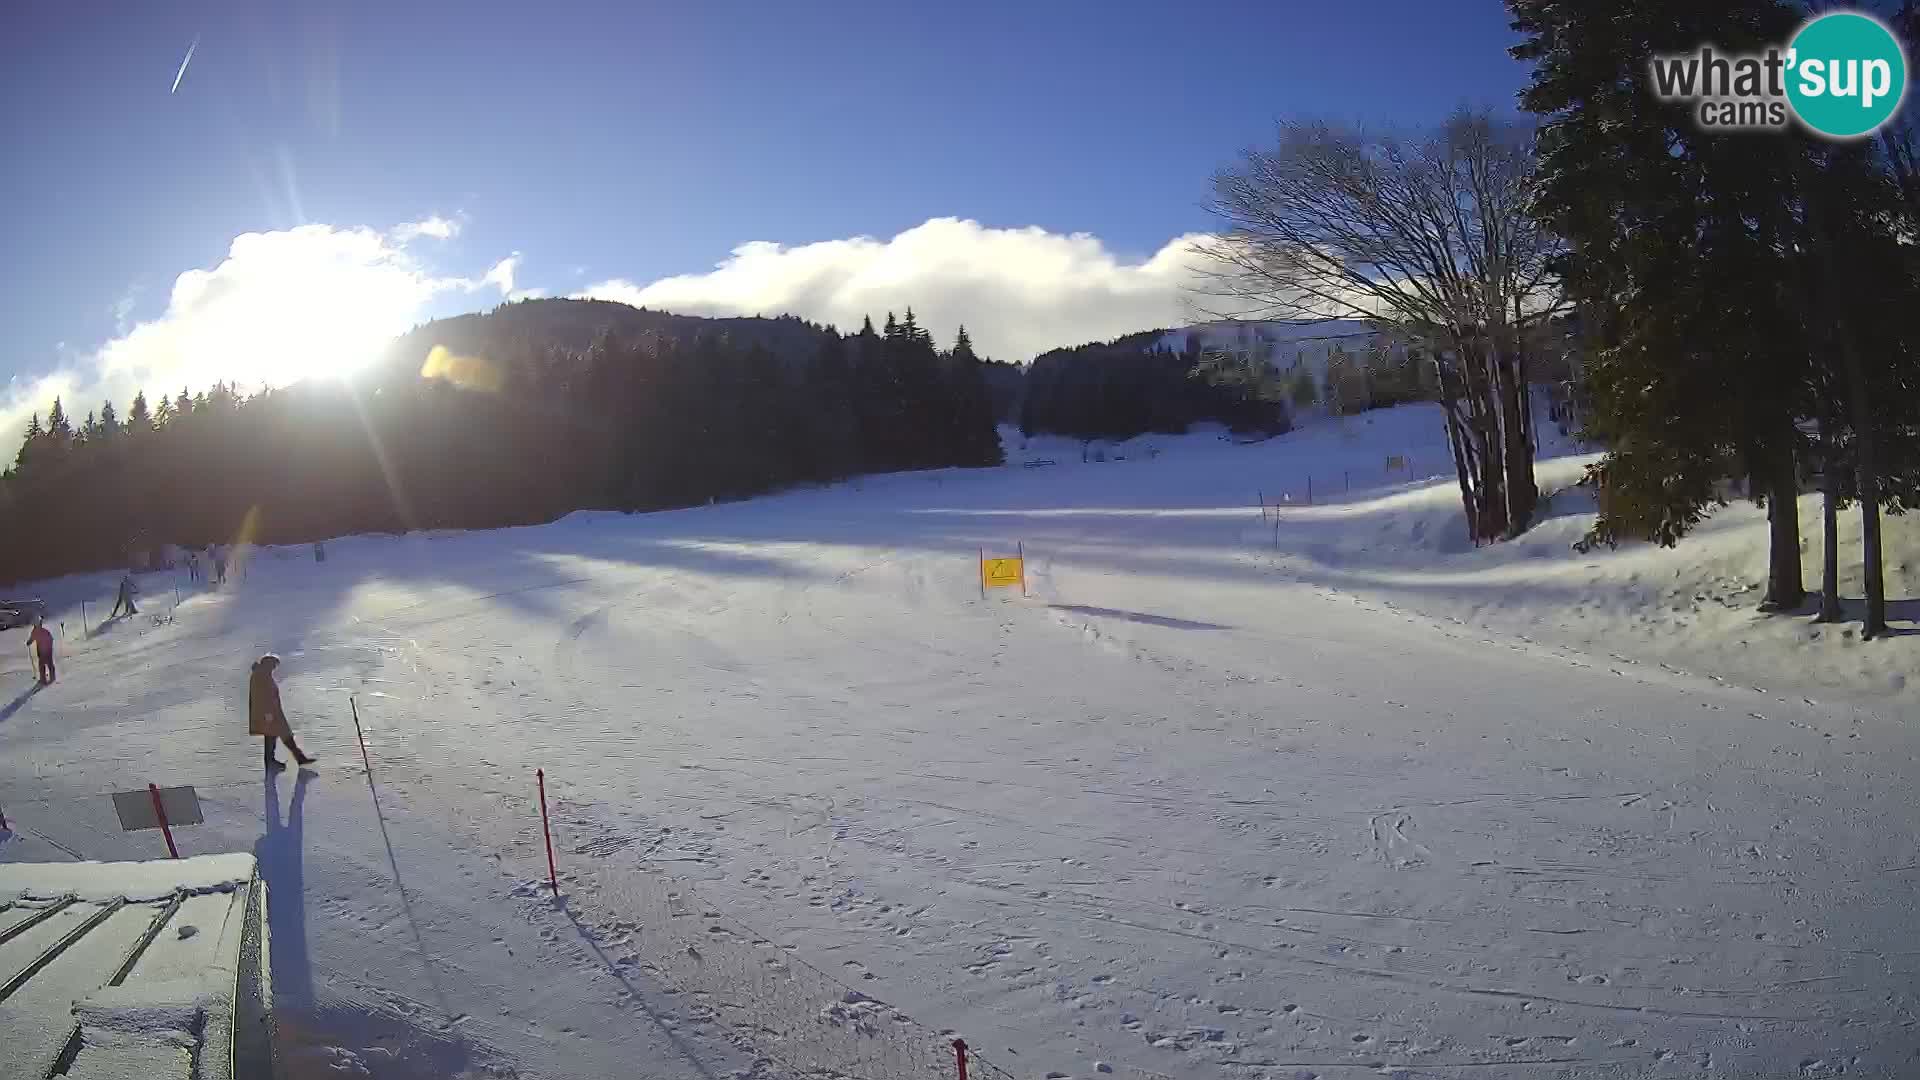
{"points": [[160, 812], [361, 735], [960, 1057], [553, 876]]}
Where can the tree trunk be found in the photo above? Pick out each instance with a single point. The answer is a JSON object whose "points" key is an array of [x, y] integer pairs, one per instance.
{"points": [[1830, 516], [1875, 623], [1523, 493], [1830, 610], [1864, 457], [1786, 589], [1483, 411], [1456, 391], [1457, 443]]}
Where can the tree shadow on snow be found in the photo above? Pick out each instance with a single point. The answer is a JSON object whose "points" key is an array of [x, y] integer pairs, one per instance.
{"points": [[1140, 617], [523, 570], [1855, 609]]}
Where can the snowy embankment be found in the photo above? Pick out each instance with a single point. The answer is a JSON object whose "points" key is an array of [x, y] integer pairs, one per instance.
{"points": [[1369, 532], [1203, 804]]}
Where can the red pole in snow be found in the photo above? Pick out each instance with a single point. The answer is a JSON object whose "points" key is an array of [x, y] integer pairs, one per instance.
{"points": [[553, 876], [362, 737], [1021, 550], [960, 1057], [160, 812]]}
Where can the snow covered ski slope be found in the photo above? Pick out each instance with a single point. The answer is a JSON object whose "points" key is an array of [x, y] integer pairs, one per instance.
{"points": [[1330, 799]]}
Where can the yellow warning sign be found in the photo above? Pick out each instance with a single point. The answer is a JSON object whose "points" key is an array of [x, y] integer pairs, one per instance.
{"points": [[996, 573]]}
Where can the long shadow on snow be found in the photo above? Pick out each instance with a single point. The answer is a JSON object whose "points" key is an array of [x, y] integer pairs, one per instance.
{"points": [[1855, 611], [1139, 617], [14, 706], [280, 851], [283, 607], [1198, 539]]}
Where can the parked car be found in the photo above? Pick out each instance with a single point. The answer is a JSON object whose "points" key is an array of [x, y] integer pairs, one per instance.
{"points": [[20, 612]]}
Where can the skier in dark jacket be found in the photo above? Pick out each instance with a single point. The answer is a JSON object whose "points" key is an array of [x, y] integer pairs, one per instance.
{"points": [[125, 599], [265, 717]]}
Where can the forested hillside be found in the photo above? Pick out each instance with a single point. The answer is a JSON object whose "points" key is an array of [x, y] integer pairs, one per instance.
{"points": [[517, 416], [1130, 386]]}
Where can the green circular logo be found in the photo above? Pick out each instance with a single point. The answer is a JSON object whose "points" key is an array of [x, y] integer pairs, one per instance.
{"points": [[1846, 74]]}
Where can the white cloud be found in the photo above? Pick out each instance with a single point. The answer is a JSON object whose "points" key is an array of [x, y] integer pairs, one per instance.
{"points": [[500, 276], [434, 227], [279, 307], [123, 309], [1019, 292]]}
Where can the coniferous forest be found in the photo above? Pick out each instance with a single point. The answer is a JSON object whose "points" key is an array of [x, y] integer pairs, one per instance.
{"points": [[1133, 386], [518, 416]]}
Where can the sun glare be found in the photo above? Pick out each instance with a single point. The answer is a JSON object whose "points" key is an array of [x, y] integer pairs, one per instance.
{"points": [[279, 312]]}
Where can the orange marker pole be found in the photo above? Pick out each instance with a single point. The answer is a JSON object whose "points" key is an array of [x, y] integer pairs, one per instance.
{"points": [[553, 876], [160, 812]]}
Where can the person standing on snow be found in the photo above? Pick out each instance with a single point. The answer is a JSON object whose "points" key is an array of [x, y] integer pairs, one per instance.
{"points": [[125, 599], [265, 717], [41, 639]]}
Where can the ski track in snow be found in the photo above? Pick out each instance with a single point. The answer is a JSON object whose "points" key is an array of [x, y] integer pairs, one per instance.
{"points": [[1185, 810]]}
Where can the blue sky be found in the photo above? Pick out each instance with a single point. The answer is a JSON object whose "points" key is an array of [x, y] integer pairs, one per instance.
{"points": [[621, 143]]}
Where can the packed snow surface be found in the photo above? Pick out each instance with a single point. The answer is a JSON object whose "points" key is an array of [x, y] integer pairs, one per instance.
{"points": [[1322, 791]]}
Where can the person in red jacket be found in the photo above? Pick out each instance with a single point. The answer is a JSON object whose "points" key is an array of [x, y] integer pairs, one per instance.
{"points": [[42, 642]]}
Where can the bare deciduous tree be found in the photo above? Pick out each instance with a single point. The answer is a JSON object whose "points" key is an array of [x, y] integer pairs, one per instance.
{"points": [[1429, 238]]}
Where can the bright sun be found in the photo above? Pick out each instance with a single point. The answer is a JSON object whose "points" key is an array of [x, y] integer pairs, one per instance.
{"points": [[294, 319]]}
